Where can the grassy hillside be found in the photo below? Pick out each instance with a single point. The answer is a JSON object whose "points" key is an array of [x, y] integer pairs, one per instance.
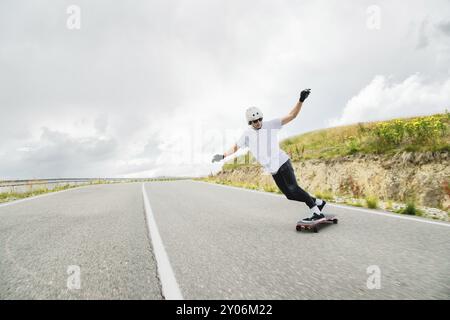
{"points": [[418, 134]]}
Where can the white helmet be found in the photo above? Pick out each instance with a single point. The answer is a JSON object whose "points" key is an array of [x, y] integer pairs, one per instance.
{"points": [[253, 113]]}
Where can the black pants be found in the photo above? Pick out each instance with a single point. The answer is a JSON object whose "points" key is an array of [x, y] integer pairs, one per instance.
{"points": [[286, 181]]}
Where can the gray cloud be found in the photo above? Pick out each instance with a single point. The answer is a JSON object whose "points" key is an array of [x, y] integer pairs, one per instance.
{"points": [[432, 32], [119, 95], [58, 154], [101, 123], [423, 35], [444, 27]]}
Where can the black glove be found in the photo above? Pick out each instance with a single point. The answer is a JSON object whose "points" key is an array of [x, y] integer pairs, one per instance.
{"points": [[218, 157], [304, 94]]}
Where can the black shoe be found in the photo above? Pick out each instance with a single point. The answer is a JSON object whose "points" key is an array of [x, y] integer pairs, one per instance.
{"points": [[322, 205], [315, 217]]}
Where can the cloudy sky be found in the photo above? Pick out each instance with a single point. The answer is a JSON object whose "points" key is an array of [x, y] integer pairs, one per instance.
{"points": [[150, 88]]}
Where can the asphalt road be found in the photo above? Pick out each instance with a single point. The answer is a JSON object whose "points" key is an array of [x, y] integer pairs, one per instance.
{"points": [[228, 243], [101, 229], [222, 243]]}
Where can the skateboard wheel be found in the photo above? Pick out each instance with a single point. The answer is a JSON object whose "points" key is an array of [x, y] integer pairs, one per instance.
{"points": [[299, 228], [335, 221], [315, 230]]}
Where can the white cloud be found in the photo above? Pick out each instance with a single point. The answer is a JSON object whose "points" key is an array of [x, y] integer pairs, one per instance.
{"points": [[127, 92], [383, 98]]}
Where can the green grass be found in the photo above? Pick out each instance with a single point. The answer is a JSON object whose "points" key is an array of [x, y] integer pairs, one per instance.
{"points": [[369, 202], [411, 210], [11, 196], [253, 186], [420, 134], [231, 165], [372, 202], [389, 205], [324, 195], [417, 134], [354, 204], [270, 188]]}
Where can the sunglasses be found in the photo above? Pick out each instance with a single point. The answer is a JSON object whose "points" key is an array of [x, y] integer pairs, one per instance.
{"points": [[255, 121]]}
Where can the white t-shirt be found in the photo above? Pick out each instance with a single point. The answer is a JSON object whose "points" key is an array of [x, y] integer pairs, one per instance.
{"points": [[264, 145]]}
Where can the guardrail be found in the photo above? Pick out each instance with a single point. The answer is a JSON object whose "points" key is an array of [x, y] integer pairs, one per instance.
{"points": [[28, 185], [13, 183]]}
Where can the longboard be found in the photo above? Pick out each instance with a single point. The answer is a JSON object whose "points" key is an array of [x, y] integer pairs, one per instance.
{"points": [[329, 218]]}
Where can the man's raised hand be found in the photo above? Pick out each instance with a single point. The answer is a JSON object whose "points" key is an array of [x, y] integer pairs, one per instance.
{"points": [[304, 94]]}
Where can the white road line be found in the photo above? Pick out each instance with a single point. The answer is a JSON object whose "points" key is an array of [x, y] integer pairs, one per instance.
{"points": [[170, 288], [391, 215], [386, 214]]}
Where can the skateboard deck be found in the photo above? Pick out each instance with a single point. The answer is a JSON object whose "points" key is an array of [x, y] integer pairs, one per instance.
{"points": [[329, 218]]}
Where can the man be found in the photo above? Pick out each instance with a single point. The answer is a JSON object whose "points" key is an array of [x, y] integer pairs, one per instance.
{"points": [[262, 140]]}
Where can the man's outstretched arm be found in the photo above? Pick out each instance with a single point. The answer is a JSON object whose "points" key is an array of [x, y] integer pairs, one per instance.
{"points": [[219, 157], [294, 112]]}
